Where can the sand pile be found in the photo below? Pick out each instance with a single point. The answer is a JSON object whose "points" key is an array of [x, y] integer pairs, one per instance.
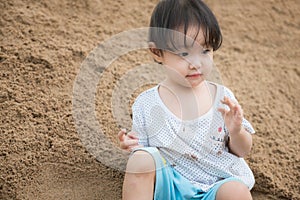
{"points": [[43, 45]]}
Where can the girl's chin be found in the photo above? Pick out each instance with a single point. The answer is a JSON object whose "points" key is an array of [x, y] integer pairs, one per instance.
{"points": [[193, 84], [188, 83]]}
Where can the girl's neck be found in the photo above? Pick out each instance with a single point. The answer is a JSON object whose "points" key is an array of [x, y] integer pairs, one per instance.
{"points": [[187, 103]]}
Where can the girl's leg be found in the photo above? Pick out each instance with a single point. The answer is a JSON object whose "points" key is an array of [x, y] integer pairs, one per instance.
{"points": [[139, 178], [233, 190]]}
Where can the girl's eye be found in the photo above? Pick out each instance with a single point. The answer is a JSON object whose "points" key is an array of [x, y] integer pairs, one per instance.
{"points": [[205, 51], [183, 54]]}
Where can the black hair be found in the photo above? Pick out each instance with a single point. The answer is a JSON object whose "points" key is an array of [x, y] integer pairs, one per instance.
{"points": [[170, 15]]}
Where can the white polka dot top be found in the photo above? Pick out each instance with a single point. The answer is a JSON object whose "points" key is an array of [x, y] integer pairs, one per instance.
{"points": [[197, 148]]}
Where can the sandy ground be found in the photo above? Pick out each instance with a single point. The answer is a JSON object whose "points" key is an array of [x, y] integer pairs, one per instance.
{"points": [[43, 44]]}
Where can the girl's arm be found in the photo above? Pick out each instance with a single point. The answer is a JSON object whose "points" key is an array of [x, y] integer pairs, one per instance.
{"points": [[240, 141], [240, 144]]}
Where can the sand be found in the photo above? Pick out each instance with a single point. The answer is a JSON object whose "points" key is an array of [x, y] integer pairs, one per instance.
{"points": [[43, 45]]}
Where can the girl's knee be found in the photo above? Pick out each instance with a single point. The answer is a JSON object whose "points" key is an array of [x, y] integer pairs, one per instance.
{"points": [[234, 190], [140, 162], [140, 177]]}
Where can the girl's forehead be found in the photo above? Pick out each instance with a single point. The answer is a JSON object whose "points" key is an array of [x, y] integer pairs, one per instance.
{"points": [[193, 36]]}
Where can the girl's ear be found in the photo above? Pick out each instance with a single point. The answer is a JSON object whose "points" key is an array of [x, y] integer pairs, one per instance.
{"points": [[155, 53]]}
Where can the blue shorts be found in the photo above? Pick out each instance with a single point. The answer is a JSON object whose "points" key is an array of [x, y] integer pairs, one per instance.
{"points": [[170, 185]]}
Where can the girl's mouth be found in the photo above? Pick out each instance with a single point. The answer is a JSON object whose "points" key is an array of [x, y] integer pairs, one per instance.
{"points": [[196, 75]]}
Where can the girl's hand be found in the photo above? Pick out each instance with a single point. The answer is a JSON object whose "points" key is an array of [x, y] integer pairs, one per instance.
{"points": [[233, 117], [128, 141]]}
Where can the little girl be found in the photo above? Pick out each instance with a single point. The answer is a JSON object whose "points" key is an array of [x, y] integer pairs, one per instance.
{"points": [[189, 135]]}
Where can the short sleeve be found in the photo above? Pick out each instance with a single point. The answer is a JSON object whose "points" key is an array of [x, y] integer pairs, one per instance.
{"points": [[138, 123], [248, 126], [245, 123]]}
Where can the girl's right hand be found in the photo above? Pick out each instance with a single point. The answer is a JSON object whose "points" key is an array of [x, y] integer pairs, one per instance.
{"points": [[128, 141]]}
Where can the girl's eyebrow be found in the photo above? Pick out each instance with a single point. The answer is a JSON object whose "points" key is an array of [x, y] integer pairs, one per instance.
{"points": [[195, 42], [185, 46], [177, 48]]}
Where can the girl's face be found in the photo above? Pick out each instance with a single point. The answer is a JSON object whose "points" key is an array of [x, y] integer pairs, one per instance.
{"points": [[190, 62]]}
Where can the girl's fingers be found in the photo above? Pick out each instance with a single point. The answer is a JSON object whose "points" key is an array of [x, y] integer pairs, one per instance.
{"points": [[131, 142], [128, 141], [229, 103], [121, 134], [222, 111], [128, 144], [123, 146], [132, 135], [235, 109], [238, 112]]}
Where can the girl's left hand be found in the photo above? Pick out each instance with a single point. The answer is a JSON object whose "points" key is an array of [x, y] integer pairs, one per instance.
{"points": [[128, 141], [233, 117]]}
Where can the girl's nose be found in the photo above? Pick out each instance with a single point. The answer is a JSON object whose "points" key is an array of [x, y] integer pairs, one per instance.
{"points": [[195, 62]]}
